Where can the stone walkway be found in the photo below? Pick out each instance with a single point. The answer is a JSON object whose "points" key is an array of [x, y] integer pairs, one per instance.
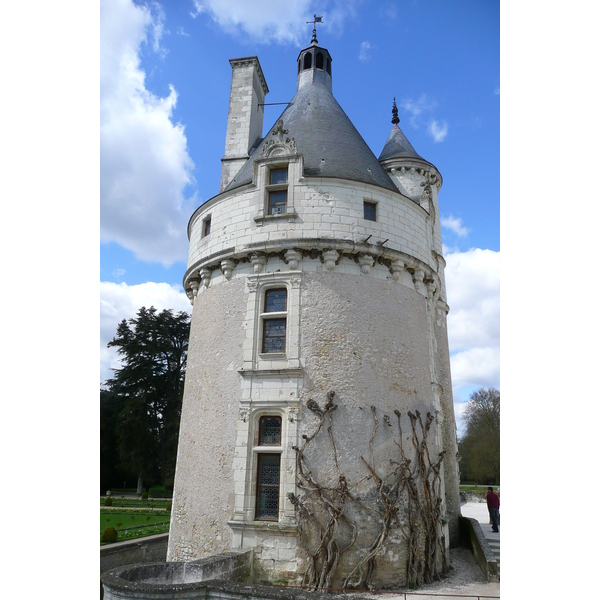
{"points": [[479, 511]]}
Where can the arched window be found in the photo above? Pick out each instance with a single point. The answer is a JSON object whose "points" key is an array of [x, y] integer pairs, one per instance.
{"points": [[299, 65], [319, 60], [307, 61], [329, 66]]}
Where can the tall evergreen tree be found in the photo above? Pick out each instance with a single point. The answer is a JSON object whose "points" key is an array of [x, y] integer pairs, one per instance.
{"points": [[149, 385]]}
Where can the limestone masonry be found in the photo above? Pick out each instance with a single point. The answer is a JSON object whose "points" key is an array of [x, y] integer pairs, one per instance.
{"points": [[317, 424]]}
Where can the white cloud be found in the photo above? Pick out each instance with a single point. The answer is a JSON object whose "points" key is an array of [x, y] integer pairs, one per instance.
{"points": [[437, 131], [122, 301], [268, 21], [388, 11], [478, 367], [473, 291], [365, 52], [454, 224], [144, 161], [416, 108]]}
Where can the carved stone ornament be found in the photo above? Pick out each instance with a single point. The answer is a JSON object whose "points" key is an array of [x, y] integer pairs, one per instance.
{"points": [[397, 269], [279, 144], [418, 281], [244, 414], [293, 258], [194, 284], [292, 415], [330, 257], [205, 275], [227, 266], [366, 262], [258, 263]]}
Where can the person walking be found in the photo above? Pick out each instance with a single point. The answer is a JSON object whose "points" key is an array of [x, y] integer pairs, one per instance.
{"points": [[493, 504]]}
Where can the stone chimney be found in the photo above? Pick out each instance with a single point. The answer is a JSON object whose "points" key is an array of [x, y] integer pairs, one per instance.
{"points": [[245, 118]]}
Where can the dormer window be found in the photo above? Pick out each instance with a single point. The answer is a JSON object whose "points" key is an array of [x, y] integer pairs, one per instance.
{"points": [[277, 190]]}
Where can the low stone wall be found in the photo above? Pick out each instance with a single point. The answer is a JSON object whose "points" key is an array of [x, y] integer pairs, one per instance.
{"points": [[472, 537], [217, 589], [175, 580], [150, 549]]}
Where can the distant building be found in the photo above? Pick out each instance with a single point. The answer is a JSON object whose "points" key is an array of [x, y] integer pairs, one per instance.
{"points": [[317, 268]]}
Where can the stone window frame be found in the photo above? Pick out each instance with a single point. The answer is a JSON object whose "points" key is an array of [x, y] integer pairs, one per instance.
{"points": [[374, 205], [247, 453], [266, 316], [263, 167], [258, 285], [262, 450], [206, 225]]}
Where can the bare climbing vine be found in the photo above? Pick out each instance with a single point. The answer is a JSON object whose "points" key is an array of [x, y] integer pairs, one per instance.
{"points": [[407, 494]]}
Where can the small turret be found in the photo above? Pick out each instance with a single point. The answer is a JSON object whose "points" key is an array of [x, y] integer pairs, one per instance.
{"points": [[314, 64], [397, 146]]}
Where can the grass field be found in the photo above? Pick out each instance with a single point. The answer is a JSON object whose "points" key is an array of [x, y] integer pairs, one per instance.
{"points": [[137, 502], [132, 524], [476, 488]]}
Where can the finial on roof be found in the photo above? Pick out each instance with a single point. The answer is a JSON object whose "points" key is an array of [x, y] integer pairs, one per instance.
{"points": [[395, 119], [314, 22]]}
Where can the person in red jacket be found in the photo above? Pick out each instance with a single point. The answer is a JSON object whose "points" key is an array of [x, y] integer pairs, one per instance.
{"points": [[493, 504]]}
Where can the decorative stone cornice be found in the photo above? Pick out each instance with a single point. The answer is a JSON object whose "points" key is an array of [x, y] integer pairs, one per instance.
{"points": [[404, 269]]}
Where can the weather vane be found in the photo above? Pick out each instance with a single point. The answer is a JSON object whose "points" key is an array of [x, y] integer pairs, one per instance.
{"points": [[314, 22]]}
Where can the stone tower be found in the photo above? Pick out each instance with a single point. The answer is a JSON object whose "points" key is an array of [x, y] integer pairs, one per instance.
{"points": [[317, 424]]}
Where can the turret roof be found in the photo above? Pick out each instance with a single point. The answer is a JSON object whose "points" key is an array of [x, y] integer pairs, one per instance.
{"points": [[327, 139]]}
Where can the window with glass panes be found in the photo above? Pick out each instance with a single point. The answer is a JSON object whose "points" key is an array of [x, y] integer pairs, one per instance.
{"points": [[268, 470], [370, 211], [277, 191], [274, 320]]}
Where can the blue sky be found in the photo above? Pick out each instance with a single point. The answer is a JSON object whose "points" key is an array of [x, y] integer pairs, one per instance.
{"points": [[165, 80]]}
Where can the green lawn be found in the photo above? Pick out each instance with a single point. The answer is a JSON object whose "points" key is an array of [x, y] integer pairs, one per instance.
{"points": [[131, 524], [137, 502], [476, 488]]}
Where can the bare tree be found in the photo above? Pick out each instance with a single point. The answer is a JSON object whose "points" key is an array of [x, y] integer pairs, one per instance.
{"points": [[480, 445]]}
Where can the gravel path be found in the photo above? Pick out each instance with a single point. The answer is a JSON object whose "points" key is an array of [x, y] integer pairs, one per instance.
{"points": [[465, 577]]}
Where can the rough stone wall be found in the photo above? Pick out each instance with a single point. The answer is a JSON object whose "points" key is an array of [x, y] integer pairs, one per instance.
{"points": [[451, 468], [204, 489], [364, 339]]}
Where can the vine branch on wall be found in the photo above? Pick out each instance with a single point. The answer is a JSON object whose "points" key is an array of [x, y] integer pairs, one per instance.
{"points": [[327, 531]]}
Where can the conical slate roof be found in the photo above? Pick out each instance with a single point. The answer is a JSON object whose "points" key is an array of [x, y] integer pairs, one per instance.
{"points": [[397, 146], [327, 139]]}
